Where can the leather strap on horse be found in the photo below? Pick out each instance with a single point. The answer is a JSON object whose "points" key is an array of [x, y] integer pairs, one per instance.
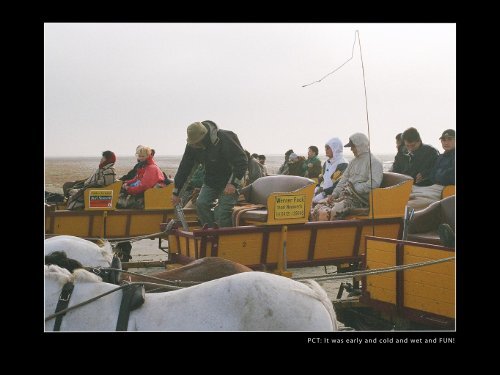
{"points": [[63, 303], [133, 297]]}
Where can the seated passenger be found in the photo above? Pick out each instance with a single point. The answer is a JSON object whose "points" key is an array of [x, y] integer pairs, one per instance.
{"points": [[312, 166], [284, 167], [421, 158], [262, 161], [296, 165], [333, 168], [148, 176], [254, 170], [354, 187], [401, 156], [103, 176], [444, 169], [133, 172], [441, 175]]}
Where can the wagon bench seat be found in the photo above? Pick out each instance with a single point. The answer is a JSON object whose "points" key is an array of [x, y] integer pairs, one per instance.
{"points": [[265, 191]]}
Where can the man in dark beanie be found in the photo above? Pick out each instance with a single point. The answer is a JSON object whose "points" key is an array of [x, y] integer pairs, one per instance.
{"points": [[225, 164], [104, 175], [421, 158], [284, 167]]}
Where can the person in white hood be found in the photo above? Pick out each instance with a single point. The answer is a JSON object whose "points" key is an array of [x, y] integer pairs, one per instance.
{"points": [[332, 169], [364, 173]]}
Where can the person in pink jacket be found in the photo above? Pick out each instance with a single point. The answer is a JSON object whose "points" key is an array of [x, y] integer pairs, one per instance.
{"points": [[147, 175]]}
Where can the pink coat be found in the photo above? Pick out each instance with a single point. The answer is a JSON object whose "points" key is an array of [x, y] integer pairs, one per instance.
{"points": [[147, 177]]}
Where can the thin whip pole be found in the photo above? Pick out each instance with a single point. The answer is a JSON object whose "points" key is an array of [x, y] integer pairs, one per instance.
{"points": [[369, 138]]}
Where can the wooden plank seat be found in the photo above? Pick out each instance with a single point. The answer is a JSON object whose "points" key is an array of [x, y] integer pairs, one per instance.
{"points": [[158, 198], [425, 223], [388, 200], [102, 199], [279, 199]]}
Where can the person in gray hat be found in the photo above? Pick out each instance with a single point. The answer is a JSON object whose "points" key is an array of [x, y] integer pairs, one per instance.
{"points": [[225, 162], [362, 174]]}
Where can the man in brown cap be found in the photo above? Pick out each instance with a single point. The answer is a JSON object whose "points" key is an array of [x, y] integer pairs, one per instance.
{"points": [[225, 162], [444, 169]]}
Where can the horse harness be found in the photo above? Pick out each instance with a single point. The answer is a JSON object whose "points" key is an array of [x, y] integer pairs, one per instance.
{"points": [[63, 303], [108, 275], [132, 298]]}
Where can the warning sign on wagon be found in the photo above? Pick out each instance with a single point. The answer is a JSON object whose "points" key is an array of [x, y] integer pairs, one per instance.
{"points": [[100, 198], [290, 206]]}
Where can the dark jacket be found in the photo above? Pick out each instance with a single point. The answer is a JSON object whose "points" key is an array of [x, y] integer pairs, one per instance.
{"points": [[297, 168], [314, 170], [132, 173], [444, 169], [421, 161], [223, 157], [400, 160]]}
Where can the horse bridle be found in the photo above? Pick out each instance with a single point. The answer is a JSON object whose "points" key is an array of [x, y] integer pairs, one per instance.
{"points": [[108, 274]]}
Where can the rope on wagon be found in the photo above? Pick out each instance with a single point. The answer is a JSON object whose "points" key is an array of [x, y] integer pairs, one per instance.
{"points": [[177, 283], [374, 271]]}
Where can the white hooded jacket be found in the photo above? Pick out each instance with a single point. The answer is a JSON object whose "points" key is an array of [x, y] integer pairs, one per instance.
{"points": [[358, 170], [332, 163]]}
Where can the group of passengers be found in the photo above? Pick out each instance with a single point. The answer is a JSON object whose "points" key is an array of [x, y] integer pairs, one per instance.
{"points": [[215, 166], [144, 175], [296, 165], [343, 186], [430, 170]]}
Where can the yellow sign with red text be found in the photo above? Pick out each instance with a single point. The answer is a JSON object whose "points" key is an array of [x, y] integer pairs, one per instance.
{"points": [[100, 198]]}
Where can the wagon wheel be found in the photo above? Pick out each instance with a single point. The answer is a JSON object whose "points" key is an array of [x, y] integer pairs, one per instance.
{"points": [[123, 250]]}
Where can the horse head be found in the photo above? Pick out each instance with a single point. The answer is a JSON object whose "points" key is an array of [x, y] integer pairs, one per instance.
{"points": [[87, 253]]}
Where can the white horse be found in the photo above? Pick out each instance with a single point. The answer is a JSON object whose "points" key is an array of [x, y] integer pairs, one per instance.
{"points": [[248, 301], [87, 253]]}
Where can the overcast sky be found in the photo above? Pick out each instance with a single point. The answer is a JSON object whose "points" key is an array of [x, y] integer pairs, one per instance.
{"points": [[116, 85]]}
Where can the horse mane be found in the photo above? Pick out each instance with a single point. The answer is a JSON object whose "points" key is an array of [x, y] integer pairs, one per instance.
{"points": [[58, 274], [62, 275], [83, 276], [319, 293], [60, 258]]}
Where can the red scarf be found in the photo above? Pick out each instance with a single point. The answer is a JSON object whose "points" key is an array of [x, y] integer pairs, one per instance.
{"points": [[109, 160]]}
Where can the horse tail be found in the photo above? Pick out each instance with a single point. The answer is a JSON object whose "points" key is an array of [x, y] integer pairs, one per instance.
{"points": [[320, 294]]}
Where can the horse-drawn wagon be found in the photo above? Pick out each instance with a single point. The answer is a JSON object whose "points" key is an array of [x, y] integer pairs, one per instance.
{"points": [[273, 233]]}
